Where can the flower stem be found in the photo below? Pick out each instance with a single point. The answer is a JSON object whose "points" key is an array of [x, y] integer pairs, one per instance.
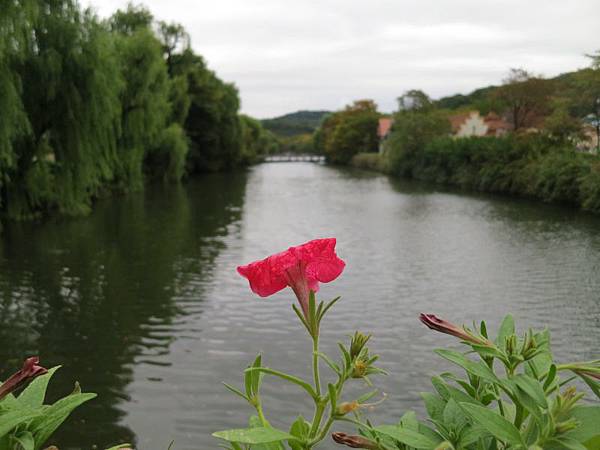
{"points": [[261, 415], [315, 364]]}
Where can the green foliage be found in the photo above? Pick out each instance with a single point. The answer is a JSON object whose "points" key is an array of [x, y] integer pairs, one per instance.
{"points": [[528, 165], [299, 144], [91, 106], [212, 123], [295, 124], [370, 161], [257, 142], [413, 128], [27, 423], [510, 396], [345, 133], [144, 102], [356, 363]]}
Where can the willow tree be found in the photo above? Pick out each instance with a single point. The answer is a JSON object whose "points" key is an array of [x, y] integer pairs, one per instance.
{"points": [[69, 92], [151, 139], [212, 123], [15, 30]]}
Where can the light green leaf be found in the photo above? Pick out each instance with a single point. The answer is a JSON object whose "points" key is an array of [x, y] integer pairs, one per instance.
{"points": [[408, 437], [34, 394], [53, 416], [303, 384], [507, 328], [474, 368], [588, 418], [253, 436], [25, 440], [497, 425], [11, 419], [434, 404]]}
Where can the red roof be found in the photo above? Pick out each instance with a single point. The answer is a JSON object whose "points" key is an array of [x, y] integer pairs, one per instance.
{"points": [[385, 125]]}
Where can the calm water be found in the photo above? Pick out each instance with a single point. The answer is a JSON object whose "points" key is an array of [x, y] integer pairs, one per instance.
{"points": [[140, 301]]}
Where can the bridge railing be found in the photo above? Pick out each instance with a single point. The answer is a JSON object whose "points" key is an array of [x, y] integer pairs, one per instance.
{"points": [[295, 158]]}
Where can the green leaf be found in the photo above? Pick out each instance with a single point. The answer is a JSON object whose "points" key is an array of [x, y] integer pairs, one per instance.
{"points": [[34, 394], [255, 422], [434, 404], [25, 440], [507, 328], [253, 436], [300, 428], [408, 437], [332, 365], [564, 443], [550, 376], [531, 387], [329, 305], [409, 421], [453, 416], [53, 416], [593, 384], [256, 376], [11, 419], [303, 384], [236, 391], [497, 425], [588, 418], [474, 368]]}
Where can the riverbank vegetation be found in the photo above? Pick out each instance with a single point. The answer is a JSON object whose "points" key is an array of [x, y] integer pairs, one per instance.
{"points": [[91, 107], [538, 153]]}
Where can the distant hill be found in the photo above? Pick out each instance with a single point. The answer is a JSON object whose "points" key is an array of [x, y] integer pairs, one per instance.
{"points": [[294, 124], [568, 85]]}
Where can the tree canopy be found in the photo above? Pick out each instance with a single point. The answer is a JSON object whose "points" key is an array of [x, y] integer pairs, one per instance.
{"points": [[91, 106]]}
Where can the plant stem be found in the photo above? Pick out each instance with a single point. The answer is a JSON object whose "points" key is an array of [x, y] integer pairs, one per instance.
{"points": [[261, 415], [316, 364]]}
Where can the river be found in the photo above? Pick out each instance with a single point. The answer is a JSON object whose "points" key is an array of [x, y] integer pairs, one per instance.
{"points": [[141, 303]]}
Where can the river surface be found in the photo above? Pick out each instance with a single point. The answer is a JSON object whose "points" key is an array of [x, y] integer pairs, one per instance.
{"points": [[141, 302]]}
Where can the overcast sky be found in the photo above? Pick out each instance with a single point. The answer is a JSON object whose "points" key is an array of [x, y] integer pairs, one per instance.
{"points": [[286, 55]]}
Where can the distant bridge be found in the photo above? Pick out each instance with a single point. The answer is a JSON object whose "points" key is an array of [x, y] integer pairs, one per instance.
{"points": [[295, 158]]}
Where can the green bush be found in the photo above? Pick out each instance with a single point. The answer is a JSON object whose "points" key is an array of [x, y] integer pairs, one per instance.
{"points": [[525, 165], [370, 161]]}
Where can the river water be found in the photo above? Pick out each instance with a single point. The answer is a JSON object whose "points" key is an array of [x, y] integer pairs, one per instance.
{"points": [[141, 303]]}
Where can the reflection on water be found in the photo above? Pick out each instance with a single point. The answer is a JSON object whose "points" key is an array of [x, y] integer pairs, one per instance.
{"points": [[141, 303]]}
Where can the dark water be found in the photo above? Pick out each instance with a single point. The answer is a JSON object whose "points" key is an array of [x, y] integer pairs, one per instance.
{"points": [[140, 301]]}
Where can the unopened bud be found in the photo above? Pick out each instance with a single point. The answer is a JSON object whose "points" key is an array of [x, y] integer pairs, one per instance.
{"points": [[354, 441], [359, 369], [566, 426]]}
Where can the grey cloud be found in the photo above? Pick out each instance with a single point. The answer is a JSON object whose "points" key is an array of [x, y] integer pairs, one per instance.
{"points": [[319, 54]]}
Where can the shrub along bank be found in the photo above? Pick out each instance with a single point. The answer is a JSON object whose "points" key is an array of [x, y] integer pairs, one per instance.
{"points": [[527, 166]]}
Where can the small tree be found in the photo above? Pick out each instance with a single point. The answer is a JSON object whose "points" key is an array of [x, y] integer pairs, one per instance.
{"points": [[525, 97]]}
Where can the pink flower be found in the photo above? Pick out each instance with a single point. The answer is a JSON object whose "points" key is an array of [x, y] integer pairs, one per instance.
{"points": [[30, 370], [435, 323], [302, 268]]}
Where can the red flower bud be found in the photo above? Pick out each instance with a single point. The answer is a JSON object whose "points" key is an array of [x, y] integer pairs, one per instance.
{"points": [[30, 370], [435, 323], [354, 441]]}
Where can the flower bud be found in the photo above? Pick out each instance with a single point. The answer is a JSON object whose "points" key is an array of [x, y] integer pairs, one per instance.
{"points": [[566, 426], [357, 344], [435, 323], [30, 370], [354, 441], [359, 368]]}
